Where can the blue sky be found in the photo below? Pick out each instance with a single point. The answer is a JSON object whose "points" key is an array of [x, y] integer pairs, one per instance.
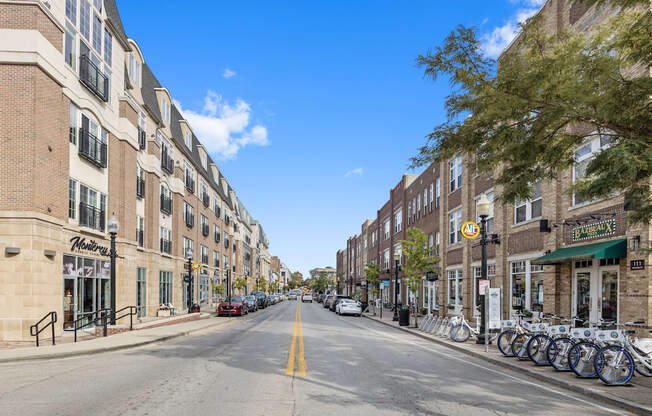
{"points": [[311, 109]]}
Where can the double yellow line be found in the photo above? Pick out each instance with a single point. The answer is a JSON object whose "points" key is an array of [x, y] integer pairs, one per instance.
{"points": [[292, 356]]}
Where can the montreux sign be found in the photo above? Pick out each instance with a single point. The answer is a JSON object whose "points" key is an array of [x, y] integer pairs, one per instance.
{"points": [[598, 229], [80, 243]]}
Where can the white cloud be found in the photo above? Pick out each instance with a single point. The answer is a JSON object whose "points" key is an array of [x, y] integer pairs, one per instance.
{"points": [[224, 128], [496, 41], [356, 171], [228, 73]]}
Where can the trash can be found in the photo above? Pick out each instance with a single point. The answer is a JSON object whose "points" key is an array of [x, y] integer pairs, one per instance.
{"points": [[404, 317], [194, 308]]}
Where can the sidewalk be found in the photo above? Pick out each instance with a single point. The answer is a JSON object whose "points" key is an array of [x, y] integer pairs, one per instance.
{"points": [[636, 397], [123, 340]]}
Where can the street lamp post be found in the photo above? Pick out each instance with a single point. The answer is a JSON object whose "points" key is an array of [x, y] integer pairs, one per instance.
{"points": [[189, 257], [397, 260], [484, 210], [113, 227]]}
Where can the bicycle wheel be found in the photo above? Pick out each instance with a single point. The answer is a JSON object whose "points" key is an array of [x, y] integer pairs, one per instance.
{"points": [[580, 359], [519, 346], [505, 342], [557, 353], [536, 349], [614, 365], [460, 333], [643, 369]]}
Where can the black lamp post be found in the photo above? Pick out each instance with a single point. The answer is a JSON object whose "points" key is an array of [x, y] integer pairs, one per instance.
{"points": [[484, 209], [189, 257], [113, 227], [397, 260]]}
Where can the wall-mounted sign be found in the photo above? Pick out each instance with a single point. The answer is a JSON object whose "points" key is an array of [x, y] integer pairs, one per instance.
{"points": [[637, 265], [196, 265], [80, 245], [598, 229], [470, 230]]}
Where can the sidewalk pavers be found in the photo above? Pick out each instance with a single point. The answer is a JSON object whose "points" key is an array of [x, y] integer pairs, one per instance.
{"points": [[636, 397]]}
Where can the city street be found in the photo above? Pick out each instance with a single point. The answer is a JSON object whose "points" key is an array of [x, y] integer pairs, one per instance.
{"points": [[351, 365]]}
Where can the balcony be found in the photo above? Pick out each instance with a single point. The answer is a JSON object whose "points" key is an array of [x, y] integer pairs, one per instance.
{"points": [[140, 187], [167, 163], [166, 204], [142, 138], [204, 230], [93, 78], [217, 237], [91, 217], [190, 219], [217, 211], [140, 237], [227, 220], [226, 243], [205, 199], [190, 184], [92, 149], [166, 246]]}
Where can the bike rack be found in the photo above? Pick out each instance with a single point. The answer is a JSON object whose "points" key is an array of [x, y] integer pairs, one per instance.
{"points": [[35, 331]]}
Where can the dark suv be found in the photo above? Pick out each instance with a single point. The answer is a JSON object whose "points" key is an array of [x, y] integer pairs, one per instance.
{"points": [[261, 299]]}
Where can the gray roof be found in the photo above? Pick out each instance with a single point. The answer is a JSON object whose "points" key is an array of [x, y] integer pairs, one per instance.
{"points": [[149, 95], [114, 20]]}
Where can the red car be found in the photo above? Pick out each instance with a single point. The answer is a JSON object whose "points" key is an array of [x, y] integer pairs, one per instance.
{"points": [[235, 307]]}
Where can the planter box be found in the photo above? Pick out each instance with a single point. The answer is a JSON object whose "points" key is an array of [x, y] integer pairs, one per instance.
{"points": [[163, 313]]}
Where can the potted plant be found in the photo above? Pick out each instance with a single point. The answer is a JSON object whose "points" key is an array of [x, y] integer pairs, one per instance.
{"points": [[163, 310]]}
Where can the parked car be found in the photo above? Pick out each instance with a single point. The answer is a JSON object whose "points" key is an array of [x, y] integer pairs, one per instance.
{"points": [[237, 306], [273, 300], [261, 299], [307, 297], [332, 305], [348, 307], [252, 303], [327, 301]]}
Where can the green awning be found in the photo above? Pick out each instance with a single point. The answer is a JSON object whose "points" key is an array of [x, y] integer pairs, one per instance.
{"points": [[614, 249]]}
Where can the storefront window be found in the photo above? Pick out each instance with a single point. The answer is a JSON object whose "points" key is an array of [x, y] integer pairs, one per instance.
{"points": [[518, 285], [165, 288], [141, 292], [455, 287], [86, 288], [536, 288]]}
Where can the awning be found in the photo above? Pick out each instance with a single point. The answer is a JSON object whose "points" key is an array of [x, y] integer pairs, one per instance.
{"points": [[614, 249]]}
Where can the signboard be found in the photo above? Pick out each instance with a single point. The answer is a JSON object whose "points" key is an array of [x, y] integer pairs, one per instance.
{"points": [[483, 286], [598, 229], [470, 230], [494, 307], [80, 245], [637, 265], [196, 265]]}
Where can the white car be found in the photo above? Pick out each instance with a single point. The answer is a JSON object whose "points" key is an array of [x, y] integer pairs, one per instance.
{"points": [[307, 297], [348, 307], [292, 296]]}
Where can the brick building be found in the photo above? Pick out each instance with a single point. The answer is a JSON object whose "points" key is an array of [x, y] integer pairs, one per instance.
{"points": [[87, 131], [558, 253]]}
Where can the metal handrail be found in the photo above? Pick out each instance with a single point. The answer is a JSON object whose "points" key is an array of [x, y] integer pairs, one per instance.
{"points": [[95, 316], [34, 330], [132, 311]]}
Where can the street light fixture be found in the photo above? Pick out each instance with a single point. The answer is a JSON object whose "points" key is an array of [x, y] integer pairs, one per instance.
{"points": [[189, 257], [397, 262], [113, 227], [483, 208]]}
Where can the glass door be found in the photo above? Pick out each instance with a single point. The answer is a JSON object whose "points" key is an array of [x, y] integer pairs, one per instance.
{"points": [[583, 296], [608, 307], [69, 303]]}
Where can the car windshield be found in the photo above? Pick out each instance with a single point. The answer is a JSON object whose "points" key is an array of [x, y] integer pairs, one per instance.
{"points": [[251, 298], [347, 301], [236, 299]]}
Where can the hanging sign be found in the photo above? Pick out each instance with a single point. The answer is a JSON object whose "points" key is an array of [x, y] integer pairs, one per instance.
{"points": [[470, 230], [196, 265], [596, 230]]}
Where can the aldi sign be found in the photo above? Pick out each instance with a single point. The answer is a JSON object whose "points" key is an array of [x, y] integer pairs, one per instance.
{"points": [[596, 230]]}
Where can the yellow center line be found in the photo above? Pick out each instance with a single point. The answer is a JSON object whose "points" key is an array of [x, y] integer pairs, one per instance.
{"points": [[291, 365], [302, 356]]}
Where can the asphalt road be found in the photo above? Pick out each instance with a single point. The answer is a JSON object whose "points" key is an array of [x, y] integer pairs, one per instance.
{"points": [[353, 366]]}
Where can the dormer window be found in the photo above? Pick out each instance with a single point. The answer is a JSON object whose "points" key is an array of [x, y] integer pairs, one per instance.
{"points": [[134, 69], [188, 140], [204, 161], [165, 110]]}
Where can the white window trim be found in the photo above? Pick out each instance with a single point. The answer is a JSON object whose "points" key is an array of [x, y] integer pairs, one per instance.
{"points": [[528, 209]]}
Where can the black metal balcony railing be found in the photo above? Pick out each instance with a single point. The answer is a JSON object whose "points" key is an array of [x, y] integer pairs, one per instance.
{"points": [[217, 237], [226, 243], [140, 187], [140, 236], [166, 204], [190, 219], [217, 211], [205, 199], [142, 138], [92, 149], [190, 184], [205, 230], [93, 78], [167, 163], [166, 246], [91, 217]]}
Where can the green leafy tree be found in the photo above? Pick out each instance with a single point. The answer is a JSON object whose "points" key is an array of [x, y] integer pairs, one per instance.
{"points": [[262, 285], [273, 287], [552, 92], [372, 273], [417, 261], [240, 283], [320, 282], [296, 281], [219, 289]]}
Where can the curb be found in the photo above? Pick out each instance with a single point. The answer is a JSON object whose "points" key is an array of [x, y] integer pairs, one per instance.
{"points": [[620, 403], [108, 349]]}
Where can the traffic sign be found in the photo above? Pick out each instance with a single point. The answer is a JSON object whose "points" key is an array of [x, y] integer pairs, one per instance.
{"points": [[470, 230], [196, 265]]}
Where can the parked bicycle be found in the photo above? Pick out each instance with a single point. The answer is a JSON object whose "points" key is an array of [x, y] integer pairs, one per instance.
{"points": [[461, 331], [620, 355], [585, 347]]}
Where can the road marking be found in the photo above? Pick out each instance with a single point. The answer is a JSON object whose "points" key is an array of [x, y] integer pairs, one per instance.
{"points": [[292, 355]]}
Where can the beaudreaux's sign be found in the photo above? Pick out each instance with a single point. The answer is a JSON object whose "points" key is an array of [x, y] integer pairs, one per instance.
{"points": [[80, 243], [599, 229]]}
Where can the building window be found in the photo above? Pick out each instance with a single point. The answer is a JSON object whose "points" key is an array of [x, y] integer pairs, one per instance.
{"points": [[70, 46], [425, 201], [437, 243], [204, 161], [166, 241], [134, 69], [454, 227], [490, 218], [203, 289], [583, 156], [455, 169], [216, 205], [438, 192], [165, 288], [71, 10], [140, 230], [477, 275], [188, 244], [141, 292], [455, 279], [418, 211], [188, 214], [432, 196], [386, 259], [527, 285], [529, 209], [204, 225], [108, 46], [216, 233], [189, 177], [97, 34], [386, 229], [72, 199], [204, 254], [431, 244], [398, 221], [165, 110], [92, 208], [216, 259], [188, 140], [85, 19]]}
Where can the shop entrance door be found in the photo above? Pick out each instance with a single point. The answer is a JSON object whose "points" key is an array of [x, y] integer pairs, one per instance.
{"points": [[608, 304], [70, 302], [595, 293], [583, 301]]}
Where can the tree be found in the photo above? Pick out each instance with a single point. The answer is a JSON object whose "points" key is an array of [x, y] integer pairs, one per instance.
{"points": [[417, 261], [240, 283], [551, 92], [320, 282], [273, 287], [262, 285], [219, 289], [372, 273], [295, 280]]}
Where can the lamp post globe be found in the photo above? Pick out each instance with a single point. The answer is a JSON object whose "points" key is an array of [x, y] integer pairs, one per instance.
{"points": [[113, 226], [484, 206]]}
